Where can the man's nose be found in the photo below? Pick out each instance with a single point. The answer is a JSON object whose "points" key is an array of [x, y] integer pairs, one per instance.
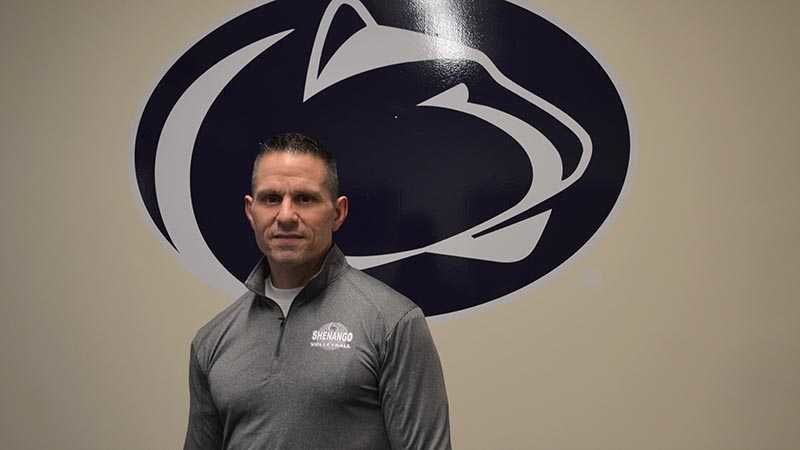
{"points": [[286, 213]]}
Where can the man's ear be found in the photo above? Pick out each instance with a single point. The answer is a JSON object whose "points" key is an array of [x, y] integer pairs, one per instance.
{"points": [[341, 206], [248, 208]]}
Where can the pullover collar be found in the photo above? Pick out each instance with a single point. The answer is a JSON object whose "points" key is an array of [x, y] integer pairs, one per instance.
{"points": [[333, 265]]}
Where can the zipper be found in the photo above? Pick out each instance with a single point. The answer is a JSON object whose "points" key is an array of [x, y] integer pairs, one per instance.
{"points": [[280, 336], [283, 318]]}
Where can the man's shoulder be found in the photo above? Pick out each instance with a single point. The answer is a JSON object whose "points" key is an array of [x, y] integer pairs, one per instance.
{"points": [[361, 287], [214, 329]]}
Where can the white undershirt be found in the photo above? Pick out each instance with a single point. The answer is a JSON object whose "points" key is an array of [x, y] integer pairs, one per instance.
{"points": [[283, 297]]}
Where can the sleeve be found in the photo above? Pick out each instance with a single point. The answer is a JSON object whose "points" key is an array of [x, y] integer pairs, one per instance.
{"points": [[204, 431], [413, 396]]}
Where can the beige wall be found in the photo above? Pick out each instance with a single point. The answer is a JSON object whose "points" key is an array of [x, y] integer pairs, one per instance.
{"points": [[678, 327]]}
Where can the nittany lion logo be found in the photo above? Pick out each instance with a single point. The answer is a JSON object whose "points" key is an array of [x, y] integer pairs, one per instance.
{"points": [[480, 145]]}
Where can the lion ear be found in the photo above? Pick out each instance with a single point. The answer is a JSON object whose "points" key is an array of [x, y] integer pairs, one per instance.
{"points": [[341, 20], [346, 22]]}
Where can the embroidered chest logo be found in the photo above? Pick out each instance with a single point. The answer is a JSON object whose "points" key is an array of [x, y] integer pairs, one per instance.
{"points": [[331, 336]]}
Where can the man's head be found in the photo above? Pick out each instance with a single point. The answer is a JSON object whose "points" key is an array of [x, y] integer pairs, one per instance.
{"points": [[294, 206], [300, 144]]}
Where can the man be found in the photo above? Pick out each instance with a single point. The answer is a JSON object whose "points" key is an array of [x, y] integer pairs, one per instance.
{"points": [[317, 355]]}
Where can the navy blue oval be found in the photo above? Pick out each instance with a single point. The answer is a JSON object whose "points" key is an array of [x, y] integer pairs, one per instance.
{"points": [[414, 175]]}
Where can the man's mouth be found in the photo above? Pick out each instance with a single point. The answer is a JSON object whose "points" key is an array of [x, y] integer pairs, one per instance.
{"points": [[287, 237]]}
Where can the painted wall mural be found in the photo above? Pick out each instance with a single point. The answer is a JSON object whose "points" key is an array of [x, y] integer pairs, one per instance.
{"points": [[481, 145]]}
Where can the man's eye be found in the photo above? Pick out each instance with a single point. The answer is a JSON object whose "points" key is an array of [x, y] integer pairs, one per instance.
{"points": [[271, 199], [304, 199]]}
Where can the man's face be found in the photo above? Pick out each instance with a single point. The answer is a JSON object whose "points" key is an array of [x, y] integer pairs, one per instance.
{"points": [[291, 211]]}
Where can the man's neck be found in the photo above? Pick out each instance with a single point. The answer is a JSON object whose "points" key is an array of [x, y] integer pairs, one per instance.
{"points": [[294, 276]]}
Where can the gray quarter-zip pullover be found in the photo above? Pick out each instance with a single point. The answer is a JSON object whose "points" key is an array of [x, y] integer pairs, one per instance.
{"points": [[351, 366]]}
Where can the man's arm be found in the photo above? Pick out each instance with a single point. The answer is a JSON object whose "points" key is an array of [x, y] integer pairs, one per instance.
{"points": [[413, 396], [204, 431]]}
